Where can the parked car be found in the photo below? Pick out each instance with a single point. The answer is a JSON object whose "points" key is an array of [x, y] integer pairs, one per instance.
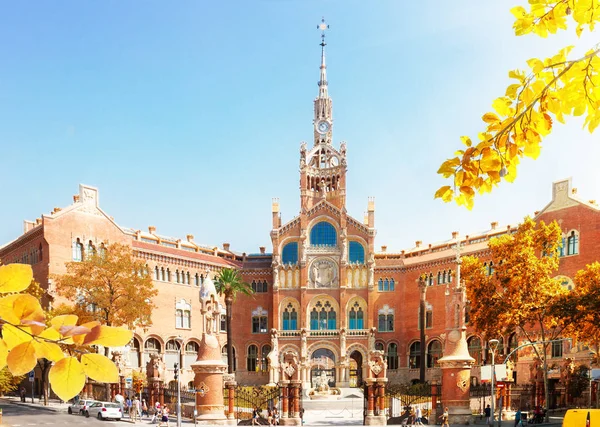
{"points": [[104, 411], [80, 406]]}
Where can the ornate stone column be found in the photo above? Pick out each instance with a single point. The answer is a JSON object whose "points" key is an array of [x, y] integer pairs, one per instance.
{"points": [[291, 385], [376, 379], [456, 363], [209, 368], [230, 384]]}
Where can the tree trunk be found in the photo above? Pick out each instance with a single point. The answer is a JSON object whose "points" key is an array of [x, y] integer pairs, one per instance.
{"points": [[228, 304], [546, 391]]}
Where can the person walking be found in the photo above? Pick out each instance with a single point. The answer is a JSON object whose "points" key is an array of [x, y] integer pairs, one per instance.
{"points": [[445, 417], [135, 409], [120, 400], [488, 414], [518, 418], [418, 415], [144, 409], [255, 417], [164, 420]]}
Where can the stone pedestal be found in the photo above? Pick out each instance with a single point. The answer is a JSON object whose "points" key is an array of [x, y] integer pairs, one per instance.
{"points": [[456, 377], [208, 382], [375, 389]]}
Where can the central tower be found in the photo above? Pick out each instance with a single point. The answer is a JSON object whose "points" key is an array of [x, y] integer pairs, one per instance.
{"points": [[322, 168]]}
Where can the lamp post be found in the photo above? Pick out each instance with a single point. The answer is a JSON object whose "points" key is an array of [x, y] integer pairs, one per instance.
{"points": [[493, 345], [179, 341]]}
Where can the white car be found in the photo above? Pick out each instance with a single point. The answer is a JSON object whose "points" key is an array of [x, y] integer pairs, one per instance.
{"points": [[104, 411], [80, 407]]}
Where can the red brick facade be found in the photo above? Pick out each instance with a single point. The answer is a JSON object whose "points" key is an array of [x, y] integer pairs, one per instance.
{"points": [[347, 297]]}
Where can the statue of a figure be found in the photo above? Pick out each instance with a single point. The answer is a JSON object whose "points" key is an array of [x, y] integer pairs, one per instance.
{"points": [[322, 382], [371, 342], [302, 154], [304, 240], [303, 345], [344, 240], [274, 354], [275, 277], [209, 322], [343, 342]]}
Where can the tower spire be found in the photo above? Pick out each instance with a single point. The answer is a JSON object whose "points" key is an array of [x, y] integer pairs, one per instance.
{"points": [[323, 80]]}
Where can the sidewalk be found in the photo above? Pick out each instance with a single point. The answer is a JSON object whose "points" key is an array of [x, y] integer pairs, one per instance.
{"points": [[58, 406], [53, 405]]}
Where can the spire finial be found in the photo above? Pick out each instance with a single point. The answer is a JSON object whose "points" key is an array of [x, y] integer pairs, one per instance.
{"points": [[323, 81]]}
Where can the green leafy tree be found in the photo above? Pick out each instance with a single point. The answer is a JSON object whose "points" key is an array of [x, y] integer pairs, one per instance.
{"points": [[552, 89], [521, 294], [229, 283]]}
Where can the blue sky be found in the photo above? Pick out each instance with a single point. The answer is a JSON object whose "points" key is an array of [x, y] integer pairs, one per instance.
{"points": [[188, 115]]}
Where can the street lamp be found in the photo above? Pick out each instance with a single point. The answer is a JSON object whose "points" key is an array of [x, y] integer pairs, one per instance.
{"points": [[179, 340], [493, 346]]}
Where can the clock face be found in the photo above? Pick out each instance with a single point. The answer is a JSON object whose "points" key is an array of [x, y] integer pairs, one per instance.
{"points": [[323, 127]]}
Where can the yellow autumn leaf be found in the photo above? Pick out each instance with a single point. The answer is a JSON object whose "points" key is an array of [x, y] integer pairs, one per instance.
{"points": [[67, 378], [13, 336], [490, 118], [3, 353], [47, 350], [64, 320], [108, 336], [7, 305], [50, 334], [15, 277], [518, 12], [100, 368], [21, 359], [466, 140]]}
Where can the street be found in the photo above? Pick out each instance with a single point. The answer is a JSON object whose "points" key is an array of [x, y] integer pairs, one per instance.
{"points": [[16, 415]]}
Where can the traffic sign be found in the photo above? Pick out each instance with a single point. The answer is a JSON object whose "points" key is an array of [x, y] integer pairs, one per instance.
{"points": [[31, 376]]}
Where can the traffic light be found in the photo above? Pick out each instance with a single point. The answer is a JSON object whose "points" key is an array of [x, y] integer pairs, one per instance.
{"points": [[176, 367]]}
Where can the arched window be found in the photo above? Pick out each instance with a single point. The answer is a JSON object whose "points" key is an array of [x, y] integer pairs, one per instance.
{"points": [[434, 352], [191, 354], [430, 279], [197, 279], [323, 316], [183, 314], [572, 244], [563, 246], [264, 360], [356, 317], [151, 346], [252, 359], [171, 353], [163, 275], [259, 286], [392, 284], [77, 250], [490, 268], [134, 353], [392, 356], [187, 278], [380, 285], [474, 345], [289, 319], [356, 253], [168, 275], [414, 356], [323, 234], [91, 250], [177, 276], [386, 319], [379, 346], [444, 276], [439, 279], [156, 273], [289, 254]]}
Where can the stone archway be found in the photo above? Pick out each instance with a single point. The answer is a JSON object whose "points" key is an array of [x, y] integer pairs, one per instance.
{"points": [[356, 362], [323, 362]]}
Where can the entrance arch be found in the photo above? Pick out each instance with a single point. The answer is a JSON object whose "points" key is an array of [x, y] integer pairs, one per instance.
{"points": [[322, 361], [356, 362]]}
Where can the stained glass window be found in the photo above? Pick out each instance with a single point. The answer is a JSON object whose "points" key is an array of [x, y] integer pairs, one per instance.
{"points": [[323, 234]]}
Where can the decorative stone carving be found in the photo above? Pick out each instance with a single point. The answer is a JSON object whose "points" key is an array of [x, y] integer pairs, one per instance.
{"points": [[371, 343], [377, 364], [289, 366], [303, 344], [462, 380], [323, 273]]}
